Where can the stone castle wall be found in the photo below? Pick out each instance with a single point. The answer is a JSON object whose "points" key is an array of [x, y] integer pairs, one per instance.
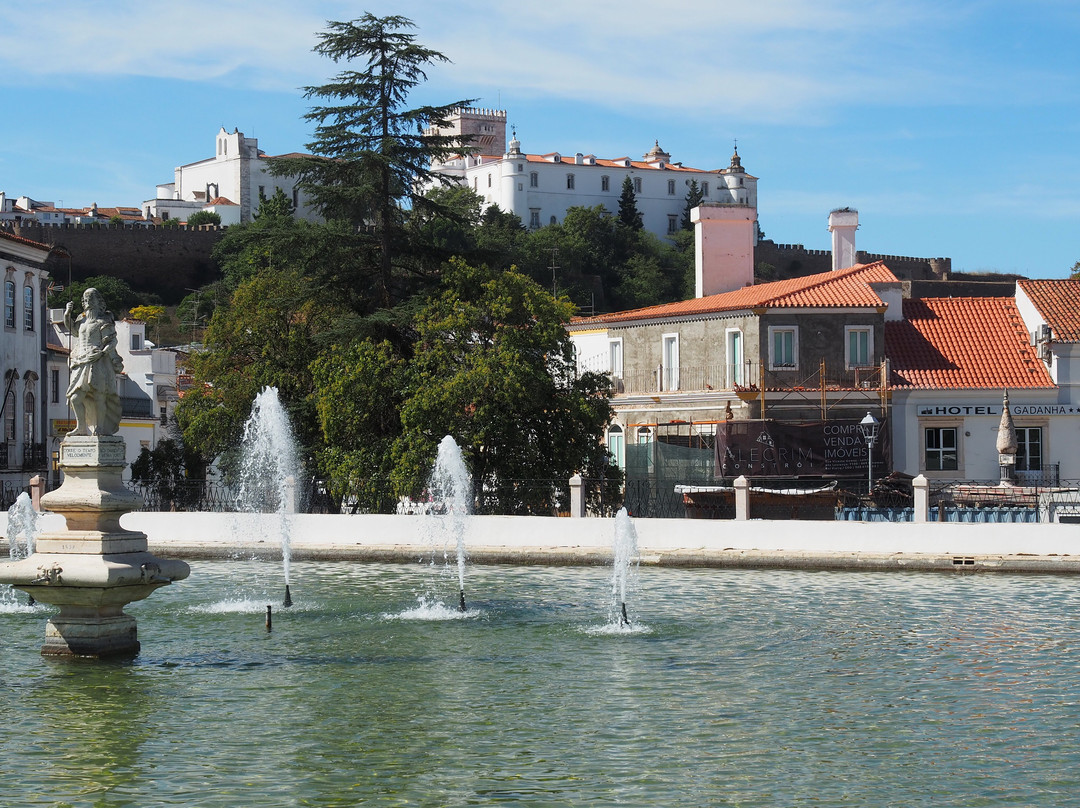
{"points": [[795, 261], [160, 260]]}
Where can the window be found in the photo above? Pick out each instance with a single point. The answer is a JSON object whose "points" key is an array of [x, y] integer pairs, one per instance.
{"points": [[1029, 448], [54, 385], [28, 308], [28, 417], [672, 223], [671, 187], [489, 180], [553, 220], [136, 342], [859, 351], [534, 218], [521, 186], [637, 185], [9, 417], [605, 183], [735, 371], [295, 198], [670, 362], [475, 184], [704, 189], [9, 304], [534, 180], [615, 358], [520, 167], [940, 452], [783, 348], [569, 182], [616, 444]]}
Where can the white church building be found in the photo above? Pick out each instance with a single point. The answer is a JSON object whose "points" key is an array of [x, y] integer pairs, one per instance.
{"points": [[540, 188], [231, 183]]}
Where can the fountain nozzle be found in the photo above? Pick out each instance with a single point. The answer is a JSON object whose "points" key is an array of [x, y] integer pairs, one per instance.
{"points": [[288, 597], [625, 621], [461, 602]]}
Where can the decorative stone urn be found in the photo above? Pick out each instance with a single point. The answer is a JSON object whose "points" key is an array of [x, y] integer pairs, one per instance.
{"points": [[94, 568]]}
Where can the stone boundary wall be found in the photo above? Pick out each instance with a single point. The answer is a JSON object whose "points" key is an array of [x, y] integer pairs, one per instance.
{"points": [[166, 261], [795, 261]]}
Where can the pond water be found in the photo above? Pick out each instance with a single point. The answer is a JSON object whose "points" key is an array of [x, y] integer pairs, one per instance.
{"points": [[730, 687]]}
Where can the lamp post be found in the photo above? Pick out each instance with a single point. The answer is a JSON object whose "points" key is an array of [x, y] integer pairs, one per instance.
{"points": [[868, 426]]}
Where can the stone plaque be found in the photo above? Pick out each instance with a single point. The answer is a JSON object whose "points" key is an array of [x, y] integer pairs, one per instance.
{"points": [[85, 452]]}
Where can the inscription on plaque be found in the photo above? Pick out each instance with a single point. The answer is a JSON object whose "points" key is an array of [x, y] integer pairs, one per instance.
{"points": [[110, 453]]}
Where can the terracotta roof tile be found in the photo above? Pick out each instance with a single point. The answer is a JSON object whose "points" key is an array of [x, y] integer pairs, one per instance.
{"points": [[962, 343], [843, 288], [21, 240], [1058, 301]]}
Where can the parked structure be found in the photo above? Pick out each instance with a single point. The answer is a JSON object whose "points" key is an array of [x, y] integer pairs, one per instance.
{"points": [[231, 184], [540, 188]]}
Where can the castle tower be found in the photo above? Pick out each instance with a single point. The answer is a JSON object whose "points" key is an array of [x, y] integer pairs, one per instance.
{"points": [[485, 127]]}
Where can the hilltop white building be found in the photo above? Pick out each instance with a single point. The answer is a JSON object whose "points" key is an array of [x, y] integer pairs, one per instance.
{"points": [[231, 183], [539, 188]]}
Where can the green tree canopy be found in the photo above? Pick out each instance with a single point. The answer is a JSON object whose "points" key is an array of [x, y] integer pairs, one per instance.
{"points": [[629, 214], [370, 153], [494, 368], [693, 199], [201, 217]]}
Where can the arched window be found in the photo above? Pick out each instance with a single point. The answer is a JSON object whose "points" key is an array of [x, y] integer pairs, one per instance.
{"points": [[9, 304], [28, 417], [616, 444], [28, 307]]}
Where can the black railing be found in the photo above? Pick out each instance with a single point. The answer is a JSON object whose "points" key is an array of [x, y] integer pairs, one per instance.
{"points": [[34, 456]]}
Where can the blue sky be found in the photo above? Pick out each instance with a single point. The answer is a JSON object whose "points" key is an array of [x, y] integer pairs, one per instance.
{"points": [[952, 125]]}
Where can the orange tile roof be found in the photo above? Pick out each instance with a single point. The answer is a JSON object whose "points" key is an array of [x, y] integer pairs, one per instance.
{"points": [[1058, 301], [962, 343], [847, 288], [21, 240]]}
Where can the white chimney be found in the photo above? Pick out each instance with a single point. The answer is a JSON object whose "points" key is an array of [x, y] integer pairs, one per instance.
{"points": [[723, 247], [843, 222]]}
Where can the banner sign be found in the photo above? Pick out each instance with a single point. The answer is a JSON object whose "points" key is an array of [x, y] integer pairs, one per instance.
{"points": [[780, 449], [954, 410]]}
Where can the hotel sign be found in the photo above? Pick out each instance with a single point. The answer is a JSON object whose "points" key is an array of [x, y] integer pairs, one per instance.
{"points": [[959, 410]]}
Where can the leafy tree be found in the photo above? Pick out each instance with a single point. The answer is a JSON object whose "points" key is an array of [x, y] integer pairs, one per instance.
{"points": [[494, 367], [1075, 271], [629, 214], [201, 217], [693, 199], [358, 396], [171, 224], [370, 155], [116, 220], [119, 297], [151, 315], [265, 336], [163, 473]]}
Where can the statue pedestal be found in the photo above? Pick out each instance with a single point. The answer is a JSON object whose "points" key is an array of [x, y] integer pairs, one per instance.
{"points": [[94, 567]]}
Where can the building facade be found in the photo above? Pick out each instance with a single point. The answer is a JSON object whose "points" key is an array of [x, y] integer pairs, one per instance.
{"points": [[231, 183], [22, 355], [540, 188]]}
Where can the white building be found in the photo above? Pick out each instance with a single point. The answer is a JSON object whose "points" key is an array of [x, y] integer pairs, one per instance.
{"points": [[539, 188], [231, 183], [22, 354]]}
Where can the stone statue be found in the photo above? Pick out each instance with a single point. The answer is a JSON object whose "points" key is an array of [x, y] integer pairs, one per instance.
{"points": [[93, 366]]}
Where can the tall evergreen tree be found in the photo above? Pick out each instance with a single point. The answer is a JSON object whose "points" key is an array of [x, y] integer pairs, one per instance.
{"points": [[693, 199], [371, 155], [629, 214]]}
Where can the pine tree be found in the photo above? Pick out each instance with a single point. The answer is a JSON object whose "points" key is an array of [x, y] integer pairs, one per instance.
{"points": [[629, 214], [371, 156], [693, 199]]}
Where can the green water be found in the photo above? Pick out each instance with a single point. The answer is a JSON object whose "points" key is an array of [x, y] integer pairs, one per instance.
{"points": [[737, 688]]}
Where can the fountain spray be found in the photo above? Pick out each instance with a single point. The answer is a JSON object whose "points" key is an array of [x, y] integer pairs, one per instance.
{"points": [[269, 470], [451, 488], [625, 559]]}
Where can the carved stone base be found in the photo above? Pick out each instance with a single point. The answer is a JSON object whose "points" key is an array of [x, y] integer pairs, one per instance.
{"points": [[93, 637]]}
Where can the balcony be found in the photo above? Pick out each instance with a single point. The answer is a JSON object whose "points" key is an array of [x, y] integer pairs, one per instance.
{"points": [[137, 407], [745, 378]]}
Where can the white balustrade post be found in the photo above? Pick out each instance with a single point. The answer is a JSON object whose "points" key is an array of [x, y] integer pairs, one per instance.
{"points": [[577, 497], [921, 486], [742, 498]]}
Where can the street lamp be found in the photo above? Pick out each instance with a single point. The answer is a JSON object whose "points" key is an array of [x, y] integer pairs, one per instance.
{"points": [[868, 427]]}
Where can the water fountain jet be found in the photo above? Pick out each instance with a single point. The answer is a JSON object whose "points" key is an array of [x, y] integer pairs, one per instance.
{"points": [[451, 490], [269, 470]]}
